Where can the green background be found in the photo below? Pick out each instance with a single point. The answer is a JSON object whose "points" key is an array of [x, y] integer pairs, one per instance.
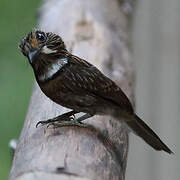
{"points": [[16, 79]]}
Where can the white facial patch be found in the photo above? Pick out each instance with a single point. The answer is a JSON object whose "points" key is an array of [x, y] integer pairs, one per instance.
{"points": [[53, 69], [46, 50]]}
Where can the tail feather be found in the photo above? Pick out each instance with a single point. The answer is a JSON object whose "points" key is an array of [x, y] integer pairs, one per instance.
{"points": [[147, 134]]}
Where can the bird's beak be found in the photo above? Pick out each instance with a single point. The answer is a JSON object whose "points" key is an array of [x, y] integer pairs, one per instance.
{"points": [[32, 54]]}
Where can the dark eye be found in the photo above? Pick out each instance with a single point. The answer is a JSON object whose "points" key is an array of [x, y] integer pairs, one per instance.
{"points": [[40, 36]]}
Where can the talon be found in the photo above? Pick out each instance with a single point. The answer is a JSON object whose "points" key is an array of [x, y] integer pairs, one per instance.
{"points": [[50, 124], [37, 124], [40, 122], [69, 116]]}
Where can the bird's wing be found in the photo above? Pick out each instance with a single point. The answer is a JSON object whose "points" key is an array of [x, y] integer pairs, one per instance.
{"points": [[85, 77]]}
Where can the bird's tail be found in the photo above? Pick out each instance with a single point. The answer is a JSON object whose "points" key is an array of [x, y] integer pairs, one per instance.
{"points": [[146, 133]]}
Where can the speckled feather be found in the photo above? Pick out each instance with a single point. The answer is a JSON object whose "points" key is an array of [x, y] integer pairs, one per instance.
{"points": [[88, 79]]}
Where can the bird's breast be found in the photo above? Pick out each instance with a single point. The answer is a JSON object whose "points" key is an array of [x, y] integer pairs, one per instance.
{"points": [[51, 70], [54, 89]]}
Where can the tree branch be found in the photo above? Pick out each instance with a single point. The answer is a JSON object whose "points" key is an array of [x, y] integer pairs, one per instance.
{"points": [[97, 30]]}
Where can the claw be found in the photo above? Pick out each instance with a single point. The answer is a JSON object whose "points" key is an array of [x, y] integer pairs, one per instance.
{"points": [[51, 124], [40, 122], [67, 119]]}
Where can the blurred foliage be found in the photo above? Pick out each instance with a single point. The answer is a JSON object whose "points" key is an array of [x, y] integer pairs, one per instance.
{"points": [[16, 79]]}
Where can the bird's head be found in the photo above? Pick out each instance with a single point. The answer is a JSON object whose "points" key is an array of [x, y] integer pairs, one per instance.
{"points": [[38, 44]]}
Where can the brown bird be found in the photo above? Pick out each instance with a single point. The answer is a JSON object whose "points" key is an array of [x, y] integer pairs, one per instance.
{"points": [[76, 84]]}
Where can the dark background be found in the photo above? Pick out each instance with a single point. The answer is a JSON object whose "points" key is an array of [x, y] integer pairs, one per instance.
{"points": [[16, 19]]}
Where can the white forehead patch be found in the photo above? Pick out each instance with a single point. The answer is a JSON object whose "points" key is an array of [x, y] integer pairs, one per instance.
{"points": [[53, 69], [46, 50]]}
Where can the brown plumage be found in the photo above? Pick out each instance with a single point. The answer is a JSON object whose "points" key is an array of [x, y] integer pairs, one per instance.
{"points": [[76, 84]]}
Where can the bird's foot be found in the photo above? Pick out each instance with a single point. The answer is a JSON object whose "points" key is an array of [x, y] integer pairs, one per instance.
{"points": [[66, 117], [73, 122]]}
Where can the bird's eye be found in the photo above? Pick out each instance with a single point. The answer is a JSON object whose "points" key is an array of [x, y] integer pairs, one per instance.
{"points": [[40, 36]]}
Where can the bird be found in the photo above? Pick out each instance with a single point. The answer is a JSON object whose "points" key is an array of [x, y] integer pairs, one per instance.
{"points": [[74, 83]]}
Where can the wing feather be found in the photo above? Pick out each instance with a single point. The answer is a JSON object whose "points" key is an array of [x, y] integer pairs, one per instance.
{"points": [[90, 80]]}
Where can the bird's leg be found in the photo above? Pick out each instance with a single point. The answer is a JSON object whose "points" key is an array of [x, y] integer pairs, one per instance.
{"points": [[84, 117], [74, 122], [63, 117]]}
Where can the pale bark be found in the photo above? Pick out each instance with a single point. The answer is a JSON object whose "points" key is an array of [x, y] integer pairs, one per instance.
{"points": [[97, 30]]}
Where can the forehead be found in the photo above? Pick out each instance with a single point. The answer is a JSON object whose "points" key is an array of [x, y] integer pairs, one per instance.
{"points": [[31, 37]]}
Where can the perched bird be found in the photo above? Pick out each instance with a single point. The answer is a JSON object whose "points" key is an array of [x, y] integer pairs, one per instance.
{"points": [[76, 84]]}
